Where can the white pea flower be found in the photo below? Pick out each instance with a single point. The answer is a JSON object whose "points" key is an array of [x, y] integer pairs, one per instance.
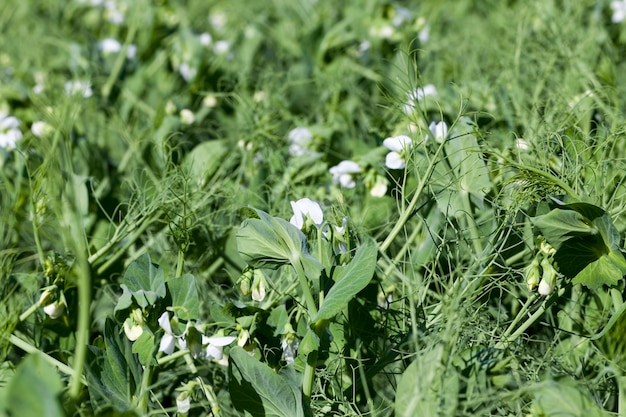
{"points": [[169, 339], [289, 343], [521, 144], [439, 131], [9, 131], [548, 278], [417, 95], [187, 71], [54, 310], [215, 345], [41, 129], [78, 87], [258, 286], [343, 173], [221, 47], [205, 39], [133, 325], [187, 116], [400, 147], [619, 11], [300, 138], [183, 403], [303, 208], [109, 46], [380, 187]]}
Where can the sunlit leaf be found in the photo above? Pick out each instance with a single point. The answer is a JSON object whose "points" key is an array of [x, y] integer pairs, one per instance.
{"points": [[349, 280]]}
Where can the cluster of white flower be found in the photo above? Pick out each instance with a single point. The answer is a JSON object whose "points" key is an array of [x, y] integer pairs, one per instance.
{"points": [[10, 131], [213, 345], [619, 11], [111, 46]]}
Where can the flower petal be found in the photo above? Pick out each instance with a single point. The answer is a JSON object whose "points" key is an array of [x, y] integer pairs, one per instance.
{"points": [[164, 323], [167, 344], [393, 160], [398, 143]]}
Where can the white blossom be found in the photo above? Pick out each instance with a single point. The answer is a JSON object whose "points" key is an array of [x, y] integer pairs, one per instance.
{"points": [[399, 146], [79, 87], [439, 131], [305, 207], [417, 95], [619, 11], [215, 345], [343, 173], [299, 138], [10, 132]]}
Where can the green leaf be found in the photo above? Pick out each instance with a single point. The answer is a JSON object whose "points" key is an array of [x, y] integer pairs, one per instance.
{"points": [[559, 225], [309, 343], [256, 390], [34, 389], [349, 280], [606, 270], [145, 281], [563, 398], [184, 293], [269, 242], [204, 160], [145, 348], [115, 373], [426, 388]]}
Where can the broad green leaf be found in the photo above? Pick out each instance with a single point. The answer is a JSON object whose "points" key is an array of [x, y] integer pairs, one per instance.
{"points": [[256, 390], [349, 280], [559, 225], [34, 389], [145, 348], [606, 270], [145, 281], [184, 293], [278, 319], [426, 388], [309, 343], [562, 398], [115, 373], [204, 160], [271, 242]]}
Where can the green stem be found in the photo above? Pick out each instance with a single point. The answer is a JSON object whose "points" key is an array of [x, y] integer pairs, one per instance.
{"points": [[408, 212], [119, 62], [28, 312], [180, 262], [306, 291], [473, 228], [309, 376], [27, 347], [145, 390]]}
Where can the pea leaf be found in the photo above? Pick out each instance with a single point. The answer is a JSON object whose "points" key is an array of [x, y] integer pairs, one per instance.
{"points": [[34, 389], [257, 391], [184, 293], [349, 280], [426, 387], [144, 281]]}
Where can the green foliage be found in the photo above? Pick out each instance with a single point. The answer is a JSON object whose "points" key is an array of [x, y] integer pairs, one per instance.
{"points": [[142, 127], [257, 390], [114, 373], [586, 243], [33, 390], [349, 281]]}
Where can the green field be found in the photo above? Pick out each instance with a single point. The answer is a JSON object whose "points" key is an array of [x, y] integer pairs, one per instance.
{"points": [[298, 208]]}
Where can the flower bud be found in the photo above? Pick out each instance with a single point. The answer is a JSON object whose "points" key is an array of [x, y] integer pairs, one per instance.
{"points": [[532, 273], [54, 310], [548, 279]]}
